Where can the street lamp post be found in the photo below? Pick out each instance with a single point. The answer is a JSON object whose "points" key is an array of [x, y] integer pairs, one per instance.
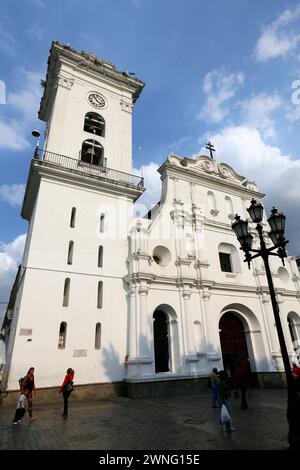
{"points": [[277, 224]]}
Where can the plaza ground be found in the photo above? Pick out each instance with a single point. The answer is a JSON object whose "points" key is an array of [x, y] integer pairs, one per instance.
{"points": [[186, 423]]}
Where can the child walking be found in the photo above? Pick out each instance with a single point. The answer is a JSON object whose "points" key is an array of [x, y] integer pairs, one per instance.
{"points": [[20, 410]]}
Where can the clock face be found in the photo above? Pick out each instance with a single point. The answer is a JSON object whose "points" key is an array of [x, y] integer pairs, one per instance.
{"points": [[96, 100]]}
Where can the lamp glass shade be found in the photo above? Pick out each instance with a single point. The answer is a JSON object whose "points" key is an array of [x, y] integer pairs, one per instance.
{"points": [[277, 222], [246, 242], [274, 237], [240, 227], [256, 211]]}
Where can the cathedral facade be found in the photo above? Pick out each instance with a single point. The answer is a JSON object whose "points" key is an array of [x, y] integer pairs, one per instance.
{"points": [[152, 302]]}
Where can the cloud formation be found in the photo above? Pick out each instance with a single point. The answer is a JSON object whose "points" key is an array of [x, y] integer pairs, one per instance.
{"points": [[24, 105], [277, 39], [258, 112], [219, 89], [276, 173], [13, 193]]}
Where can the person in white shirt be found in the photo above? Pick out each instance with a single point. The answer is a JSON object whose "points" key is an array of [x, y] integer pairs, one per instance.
{"points": [[20, 410]]}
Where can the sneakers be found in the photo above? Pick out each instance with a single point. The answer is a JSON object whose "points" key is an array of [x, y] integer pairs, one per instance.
{"points": [[65, 416], [32, 418], [15, 422]]}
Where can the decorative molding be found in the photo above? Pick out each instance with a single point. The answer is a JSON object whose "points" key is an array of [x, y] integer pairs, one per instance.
{"points": [[186, 294], [214, 212], [126, 105], [65, 82], [204, 164]]}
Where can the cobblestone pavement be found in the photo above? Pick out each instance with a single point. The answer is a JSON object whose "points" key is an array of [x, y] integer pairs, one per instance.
{"points": [[185, 423]]}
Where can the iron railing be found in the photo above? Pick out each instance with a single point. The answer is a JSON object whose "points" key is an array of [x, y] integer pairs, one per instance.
{"points": [[86, 169]]}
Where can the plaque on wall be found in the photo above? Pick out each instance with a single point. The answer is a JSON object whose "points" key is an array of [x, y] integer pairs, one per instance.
{"points": [[79, 352], [25, 331]]}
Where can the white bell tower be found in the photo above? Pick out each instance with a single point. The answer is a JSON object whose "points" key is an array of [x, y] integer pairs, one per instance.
{"points": [[69, 307]]}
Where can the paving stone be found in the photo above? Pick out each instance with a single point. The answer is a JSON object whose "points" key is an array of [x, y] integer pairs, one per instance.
{"points": [[186, 423]]}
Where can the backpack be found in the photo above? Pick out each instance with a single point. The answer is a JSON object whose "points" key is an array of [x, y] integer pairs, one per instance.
{"points": [[20, 382]]}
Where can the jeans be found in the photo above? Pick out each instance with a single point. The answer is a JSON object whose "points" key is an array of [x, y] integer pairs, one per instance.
{"points": [[66, 397], [214, 391]]}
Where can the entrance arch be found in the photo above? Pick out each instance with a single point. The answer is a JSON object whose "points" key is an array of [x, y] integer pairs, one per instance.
{"points": [[166, 339], [161, 341], [233, 341], [294, 327]]}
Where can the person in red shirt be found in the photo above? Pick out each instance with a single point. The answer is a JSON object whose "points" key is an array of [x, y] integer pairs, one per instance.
{"points": [[296, 372], [66, 389]]}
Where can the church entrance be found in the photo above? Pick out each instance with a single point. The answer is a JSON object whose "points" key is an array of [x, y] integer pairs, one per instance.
{"points": [[233, 341], [161, 341]]}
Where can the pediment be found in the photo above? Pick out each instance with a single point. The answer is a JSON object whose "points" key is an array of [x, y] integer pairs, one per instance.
{"points": [[206, 165]]}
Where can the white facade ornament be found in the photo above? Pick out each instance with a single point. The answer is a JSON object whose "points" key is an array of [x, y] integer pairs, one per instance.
{"points": [[65, 82]]}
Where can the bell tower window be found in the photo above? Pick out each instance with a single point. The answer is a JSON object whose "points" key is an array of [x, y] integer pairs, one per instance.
{"points": [[92, 152], [94, 124]]}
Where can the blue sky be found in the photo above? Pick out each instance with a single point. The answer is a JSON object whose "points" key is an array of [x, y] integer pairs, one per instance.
{"points": [[219, 70]]}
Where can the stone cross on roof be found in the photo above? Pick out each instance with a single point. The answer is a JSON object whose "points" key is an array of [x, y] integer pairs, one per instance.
{"points": [[211, 149]]}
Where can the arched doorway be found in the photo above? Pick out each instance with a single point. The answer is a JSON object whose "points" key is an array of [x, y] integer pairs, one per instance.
{"points": [[294, 327], [233, 342], [161, 341]]}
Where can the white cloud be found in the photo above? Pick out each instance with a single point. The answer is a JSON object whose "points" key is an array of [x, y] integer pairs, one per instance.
{"points": [[219, 89], [8, 43], [25, 103], [12, 135], [152, 184], [27, 99], [10, 257], [276, 174], [258, 110], [13, 194], [277, 40], [175, 146]]}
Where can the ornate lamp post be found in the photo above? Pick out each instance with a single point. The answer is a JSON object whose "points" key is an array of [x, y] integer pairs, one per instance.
{"points": [[277, 225]]}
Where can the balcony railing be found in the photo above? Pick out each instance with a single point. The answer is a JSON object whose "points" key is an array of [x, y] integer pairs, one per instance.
{"points": [[79, 167]]}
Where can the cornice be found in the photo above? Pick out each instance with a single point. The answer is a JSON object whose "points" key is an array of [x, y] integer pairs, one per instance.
{"points": [[203, 168], [84, 61]]}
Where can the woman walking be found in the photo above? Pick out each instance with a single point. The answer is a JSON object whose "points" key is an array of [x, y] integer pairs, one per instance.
{"points": [[66, 389], [27, 388]]}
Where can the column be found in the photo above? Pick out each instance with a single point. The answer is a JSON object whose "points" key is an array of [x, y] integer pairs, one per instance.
{"points": [[143, 346], [271, 332], [190, 346], [132, 323], [213, 353]]}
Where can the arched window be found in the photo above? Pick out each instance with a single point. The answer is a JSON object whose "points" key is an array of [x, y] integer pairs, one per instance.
{"points": [[229, 258], [229, 207], [98, 336], [62, 335], [94, 123], [92, 152], [100, 294], [212, 206], [73, 216], [66, 292], [70, 252], [100, 256], [102, 223]]}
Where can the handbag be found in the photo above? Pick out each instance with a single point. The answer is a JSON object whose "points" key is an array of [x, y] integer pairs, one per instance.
{"points": [[225, 416], [69, 387]]}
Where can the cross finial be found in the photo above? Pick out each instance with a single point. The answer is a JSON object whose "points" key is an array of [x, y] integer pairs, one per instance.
{"points": [[211, 149]]}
